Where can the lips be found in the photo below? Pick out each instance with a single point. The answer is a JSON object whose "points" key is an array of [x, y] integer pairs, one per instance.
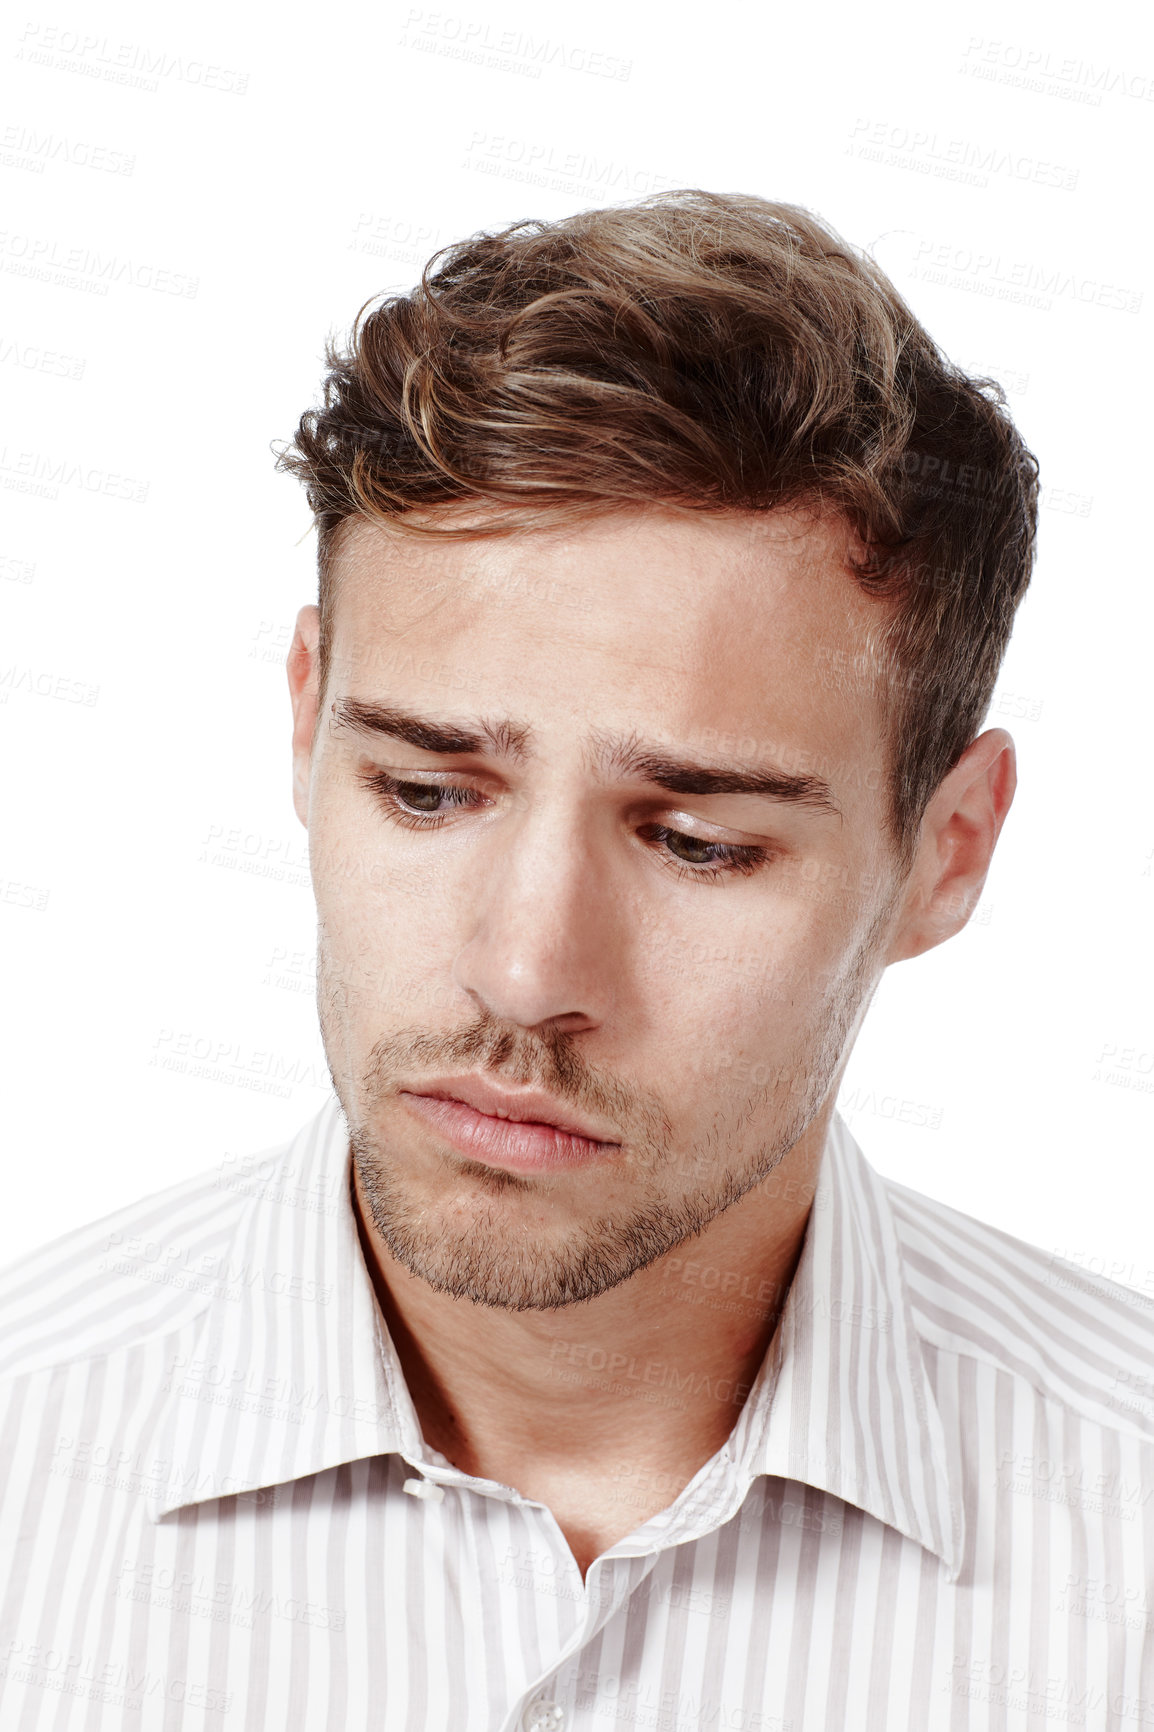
{"points": [[521, 1130], [523, 1106]]}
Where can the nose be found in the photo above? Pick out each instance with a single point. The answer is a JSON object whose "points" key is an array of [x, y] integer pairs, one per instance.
{"points": [[542, 937]]}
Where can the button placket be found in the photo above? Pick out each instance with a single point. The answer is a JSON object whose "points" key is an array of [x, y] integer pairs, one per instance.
{"points": [[543, 1715]]}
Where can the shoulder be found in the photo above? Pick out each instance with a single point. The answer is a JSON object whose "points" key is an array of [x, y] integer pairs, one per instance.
{"points": [[978, 1292], [142, 1271]]}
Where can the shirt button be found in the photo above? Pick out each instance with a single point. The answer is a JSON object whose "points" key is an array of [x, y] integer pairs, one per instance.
{"points": [[543, 1717], [426, 1489]]}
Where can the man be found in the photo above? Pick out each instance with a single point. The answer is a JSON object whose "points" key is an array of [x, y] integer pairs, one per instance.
{"points": [[572, 1367]]}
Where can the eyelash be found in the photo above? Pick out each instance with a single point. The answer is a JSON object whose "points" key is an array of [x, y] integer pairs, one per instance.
{"points": [[733, 857]]}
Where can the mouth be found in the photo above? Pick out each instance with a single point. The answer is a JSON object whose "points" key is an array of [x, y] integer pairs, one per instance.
{"points": [[518, 1130]]}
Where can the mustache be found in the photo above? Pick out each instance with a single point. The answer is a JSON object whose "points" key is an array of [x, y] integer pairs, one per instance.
{"points": [[543, 1061], [549, 1061]]}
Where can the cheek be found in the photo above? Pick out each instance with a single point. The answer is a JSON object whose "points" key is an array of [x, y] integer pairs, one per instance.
{"points": [[732, 1021], [740, 966], [385, 938], [740, 1004], [372, 899]]}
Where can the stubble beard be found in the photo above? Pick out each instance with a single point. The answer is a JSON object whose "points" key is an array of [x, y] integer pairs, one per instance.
{"points": [[484, 1256]]}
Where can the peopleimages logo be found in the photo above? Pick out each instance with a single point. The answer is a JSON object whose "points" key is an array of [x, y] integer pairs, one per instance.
{"points": [[1027, 67], [1022, 282], [958, 159], [474, 40], [1047, 281], [541, 162], [133, 64], [47, 259], [28, 148], [38, 473], [31, 358]]}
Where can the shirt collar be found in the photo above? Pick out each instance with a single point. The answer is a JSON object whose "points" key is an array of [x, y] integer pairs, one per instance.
{"points": [[843, 1400], [290, 1369]]}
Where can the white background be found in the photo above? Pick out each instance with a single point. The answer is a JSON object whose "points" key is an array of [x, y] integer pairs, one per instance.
{"points": [[193, 199]]}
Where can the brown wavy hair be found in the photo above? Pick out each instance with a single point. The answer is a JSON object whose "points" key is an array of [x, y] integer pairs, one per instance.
{"points": [[706, 351]]}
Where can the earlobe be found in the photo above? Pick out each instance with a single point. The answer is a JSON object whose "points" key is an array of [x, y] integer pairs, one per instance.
{"points": [[959, 832]]}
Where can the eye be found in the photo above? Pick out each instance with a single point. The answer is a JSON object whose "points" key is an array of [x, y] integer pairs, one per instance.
{"points": [[427, 805], [694, 857], [418, 805]]}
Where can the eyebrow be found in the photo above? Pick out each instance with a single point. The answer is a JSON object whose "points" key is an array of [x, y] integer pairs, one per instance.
{"points": [[630, 759]]}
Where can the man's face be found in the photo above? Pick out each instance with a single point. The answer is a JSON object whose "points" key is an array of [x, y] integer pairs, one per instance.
{"points": [[683, 971]]}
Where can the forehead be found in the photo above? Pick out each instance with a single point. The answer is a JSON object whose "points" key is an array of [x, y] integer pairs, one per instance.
{"points": [[695, 628]]}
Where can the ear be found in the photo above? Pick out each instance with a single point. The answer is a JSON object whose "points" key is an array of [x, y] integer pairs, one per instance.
{"points": [[302, 669], [960, 827]]}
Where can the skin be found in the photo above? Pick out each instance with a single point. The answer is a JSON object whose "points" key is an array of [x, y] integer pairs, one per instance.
{"points": [[549, 932]]}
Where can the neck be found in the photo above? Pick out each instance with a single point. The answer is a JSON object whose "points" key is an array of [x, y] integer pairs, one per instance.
{"points": [[650, 1376]]}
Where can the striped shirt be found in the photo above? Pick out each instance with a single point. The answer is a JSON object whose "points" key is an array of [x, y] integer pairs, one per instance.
{"points": [[935, 1510]]}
